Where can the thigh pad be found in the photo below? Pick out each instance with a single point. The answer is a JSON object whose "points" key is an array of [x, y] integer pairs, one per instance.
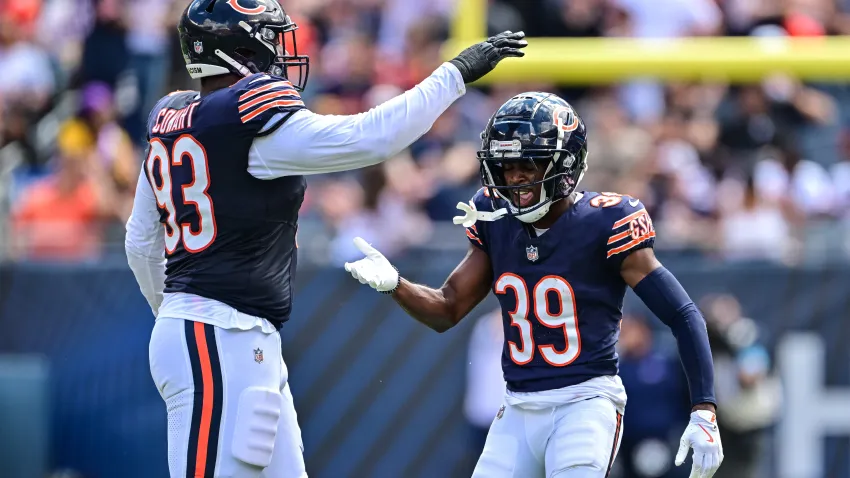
{"points": [[255, 431]]}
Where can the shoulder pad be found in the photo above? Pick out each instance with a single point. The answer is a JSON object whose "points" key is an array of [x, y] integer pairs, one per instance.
{"points": [[177, 99], [477, 232], [174, 100], [628, 226], [261, 96], [483, 201]]}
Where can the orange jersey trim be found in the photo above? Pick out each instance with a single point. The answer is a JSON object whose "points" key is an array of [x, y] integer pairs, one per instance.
{"points": [[617, 237], [629, 218], [248, 117], [631, 244], [257, 91]]}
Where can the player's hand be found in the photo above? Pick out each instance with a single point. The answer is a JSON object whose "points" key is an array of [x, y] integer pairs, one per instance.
{"points": [[374, 269], [703, 436], [480, 59]]}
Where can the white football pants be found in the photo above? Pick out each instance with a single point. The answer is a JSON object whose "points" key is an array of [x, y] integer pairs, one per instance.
{"points": [[575, 440], [230, 412]]}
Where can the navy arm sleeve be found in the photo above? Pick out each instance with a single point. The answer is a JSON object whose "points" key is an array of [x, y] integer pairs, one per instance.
{"points": [[667, 299]]}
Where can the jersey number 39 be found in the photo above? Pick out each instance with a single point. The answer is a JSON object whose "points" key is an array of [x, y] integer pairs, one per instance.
{"points": [[564, 317], [194, 194]]}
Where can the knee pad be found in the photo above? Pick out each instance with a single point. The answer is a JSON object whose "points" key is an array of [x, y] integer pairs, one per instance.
{"points": [[257, 417]]}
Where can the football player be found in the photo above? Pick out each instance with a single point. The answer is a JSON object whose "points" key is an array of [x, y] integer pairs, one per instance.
{"points": [[211, 239], [559, 261]]}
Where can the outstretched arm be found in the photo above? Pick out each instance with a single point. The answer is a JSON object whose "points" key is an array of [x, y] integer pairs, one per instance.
{"points": [[310, 143], [439, 309], [667, 299]]}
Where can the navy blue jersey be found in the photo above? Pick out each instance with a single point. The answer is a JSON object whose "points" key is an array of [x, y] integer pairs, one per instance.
{"points": [[561, 293], [229, 236]]}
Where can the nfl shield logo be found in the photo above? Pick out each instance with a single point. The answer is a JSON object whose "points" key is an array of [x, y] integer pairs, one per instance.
{"points": [[258, 355], [501, 412], [199, 47], [531, 253]]}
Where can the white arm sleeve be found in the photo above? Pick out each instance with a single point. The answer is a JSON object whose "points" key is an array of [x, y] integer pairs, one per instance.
{"points": [[145, 244], [309, 143]]}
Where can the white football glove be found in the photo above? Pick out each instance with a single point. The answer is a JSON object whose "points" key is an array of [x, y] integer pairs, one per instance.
{"points": [[374, 269], [703, 435]]}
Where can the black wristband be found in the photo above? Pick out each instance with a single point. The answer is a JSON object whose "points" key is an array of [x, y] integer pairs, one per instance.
{"points": [[398, 283]]}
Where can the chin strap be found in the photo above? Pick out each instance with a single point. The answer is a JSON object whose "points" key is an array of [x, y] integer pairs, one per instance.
{"points": [[471, 214]]}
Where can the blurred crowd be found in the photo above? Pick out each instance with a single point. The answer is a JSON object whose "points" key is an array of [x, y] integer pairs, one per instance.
{"points": [[755, 172]]}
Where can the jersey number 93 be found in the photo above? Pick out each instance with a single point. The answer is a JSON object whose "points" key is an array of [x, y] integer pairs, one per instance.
{"points": [[194, 194]]}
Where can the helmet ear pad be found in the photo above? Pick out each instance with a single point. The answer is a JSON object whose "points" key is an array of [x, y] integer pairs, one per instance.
{"points": [[246, 57]]}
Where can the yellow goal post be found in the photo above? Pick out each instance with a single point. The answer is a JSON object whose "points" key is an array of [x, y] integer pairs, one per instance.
{"points": [[599, 61]]}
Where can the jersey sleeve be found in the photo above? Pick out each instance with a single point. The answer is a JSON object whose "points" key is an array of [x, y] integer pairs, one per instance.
{"points": [[630, 229], [144, 243], [477, 233], [262, 98], [311, 143]]}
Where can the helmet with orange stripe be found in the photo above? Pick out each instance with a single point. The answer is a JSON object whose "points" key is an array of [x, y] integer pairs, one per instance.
{"points": [[241, 37], [541, 134]]}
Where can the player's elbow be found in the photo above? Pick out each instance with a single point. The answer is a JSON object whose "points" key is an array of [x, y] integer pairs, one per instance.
{"points": [[131, 249], [442, 326], [687, 317], [449, 320], [452, 310], [441, 322], [143, 251], [380, 149]]}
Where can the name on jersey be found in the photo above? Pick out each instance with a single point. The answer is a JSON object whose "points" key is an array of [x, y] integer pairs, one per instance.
{"points": [[169, 120]]}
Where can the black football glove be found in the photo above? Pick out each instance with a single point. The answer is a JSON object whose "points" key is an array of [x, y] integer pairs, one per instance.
{"points": [[478, 60]]}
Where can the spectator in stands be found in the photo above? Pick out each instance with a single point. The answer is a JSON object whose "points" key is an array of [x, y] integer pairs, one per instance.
{"points": [[16, 143], [148, 26], [27, 70], [58, 217], [752, 227], [104, 50], [485, 384], [749, 395], [762, 115], [678, 147], [117, 154], [658, 399], [383, 215]]}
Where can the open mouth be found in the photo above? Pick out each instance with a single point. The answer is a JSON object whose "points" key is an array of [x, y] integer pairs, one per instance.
{"points": [[523, 197]]}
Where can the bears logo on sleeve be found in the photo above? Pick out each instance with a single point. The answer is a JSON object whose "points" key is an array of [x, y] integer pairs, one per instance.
{"points": [[632, 227], [631, 231]]}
